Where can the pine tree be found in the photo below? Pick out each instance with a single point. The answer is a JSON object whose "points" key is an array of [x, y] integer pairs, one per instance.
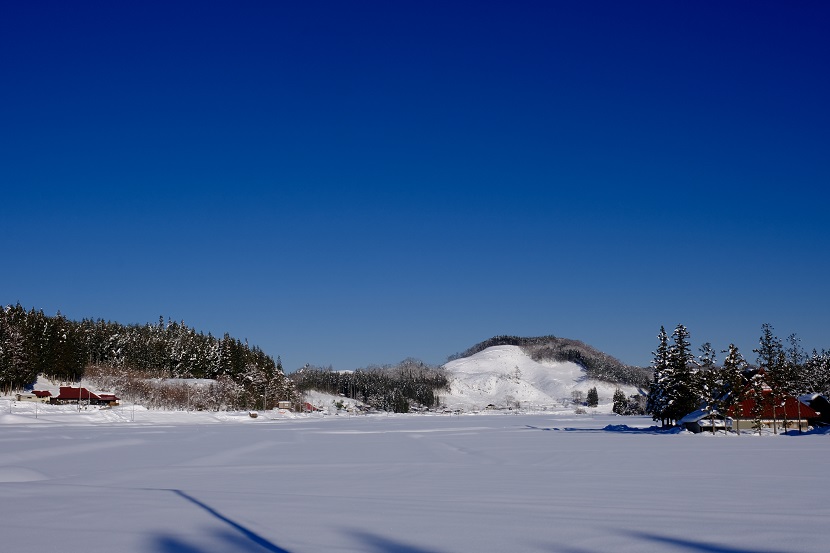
{"points": [[680, 385], [772, 360], [768, 347], [620, 403], [733, 378], [755, 391], [657, 399], [593, 397], [709, 384], [817, 373], [794, 370]]}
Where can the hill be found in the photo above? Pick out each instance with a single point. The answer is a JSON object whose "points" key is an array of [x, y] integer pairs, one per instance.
{"points": [[597, 365], [507, 376]]}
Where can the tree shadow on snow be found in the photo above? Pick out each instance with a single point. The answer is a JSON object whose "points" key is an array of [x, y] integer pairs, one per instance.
{"points": [[694, 545], [379, 544], [240, 540], [666, 543], [223, 541]]}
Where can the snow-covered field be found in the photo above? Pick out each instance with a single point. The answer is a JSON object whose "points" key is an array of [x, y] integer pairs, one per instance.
{"points": [[143, 481]]}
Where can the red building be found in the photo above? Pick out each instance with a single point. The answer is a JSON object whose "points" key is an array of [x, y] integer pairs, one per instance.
{"points": [[69, 394], [773, 413]]}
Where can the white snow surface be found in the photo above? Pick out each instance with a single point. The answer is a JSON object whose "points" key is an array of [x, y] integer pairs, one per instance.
{"points": [[132, 480], [505, 375]]}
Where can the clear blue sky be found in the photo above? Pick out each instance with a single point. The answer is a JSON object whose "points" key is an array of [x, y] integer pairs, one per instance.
{"points": [[354, 183]]}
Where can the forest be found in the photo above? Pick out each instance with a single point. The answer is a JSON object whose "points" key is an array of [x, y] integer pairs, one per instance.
{"points": [[396, 388], [150, 363], [683, 382]]}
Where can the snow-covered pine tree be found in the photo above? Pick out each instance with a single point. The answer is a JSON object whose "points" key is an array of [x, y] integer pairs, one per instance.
{"points": [[817, 373], [755, 391], [795, 384], [768, 347], [772, 360], [683, 398], [593, 397], [733, 378], [657, 399], [620, 402], [709, 386]]}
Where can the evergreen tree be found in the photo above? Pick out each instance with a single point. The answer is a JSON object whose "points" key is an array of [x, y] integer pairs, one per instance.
{"points": [[772, 360], [817, 373], [709, 384], [733, 378], [795, 372], [707, 358], [657, 399], [593, 397], [755, 392], [769, 346], [620, 403], [680, 386]]}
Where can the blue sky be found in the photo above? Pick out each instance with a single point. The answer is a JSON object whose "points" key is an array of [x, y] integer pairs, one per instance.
{"points": [[354, 183]]}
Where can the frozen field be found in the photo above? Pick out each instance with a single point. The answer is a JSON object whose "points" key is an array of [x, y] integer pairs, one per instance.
{"points": [[179, 483]]}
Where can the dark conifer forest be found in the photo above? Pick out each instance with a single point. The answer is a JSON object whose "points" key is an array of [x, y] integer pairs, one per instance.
{"points": [[397, 388], [136, 360]]}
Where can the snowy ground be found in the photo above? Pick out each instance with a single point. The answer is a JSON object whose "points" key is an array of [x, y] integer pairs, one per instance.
{"points": [[144, 481]]}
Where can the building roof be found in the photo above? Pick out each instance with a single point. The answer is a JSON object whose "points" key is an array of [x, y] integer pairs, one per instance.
{"points": [[42, 393], [789, 406], [68, 392], [698, 415]]}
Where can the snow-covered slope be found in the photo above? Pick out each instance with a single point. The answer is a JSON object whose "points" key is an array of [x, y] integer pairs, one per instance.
{"points": [[504, 376]]}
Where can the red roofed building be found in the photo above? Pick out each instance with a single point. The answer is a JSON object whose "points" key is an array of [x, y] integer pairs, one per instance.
{"points": [[773, 413], [109, 399], [69, 394]]}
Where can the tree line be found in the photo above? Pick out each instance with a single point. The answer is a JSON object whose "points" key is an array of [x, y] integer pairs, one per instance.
{"points": [[129, 358], [392, 388], [683, 382]]}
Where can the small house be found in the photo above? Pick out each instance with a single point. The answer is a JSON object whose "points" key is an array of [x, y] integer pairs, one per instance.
{"points": [[108, 399], [705, 421], [43, 395], [25, 397]]}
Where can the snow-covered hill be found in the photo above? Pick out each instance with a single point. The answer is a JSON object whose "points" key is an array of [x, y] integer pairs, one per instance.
{"points": [[505, 376]]}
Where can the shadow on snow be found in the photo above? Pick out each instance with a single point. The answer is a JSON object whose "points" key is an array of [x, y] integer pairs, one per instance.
{"points": [[379, 544], [239, 540], [615, 428], [667, 543]]}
